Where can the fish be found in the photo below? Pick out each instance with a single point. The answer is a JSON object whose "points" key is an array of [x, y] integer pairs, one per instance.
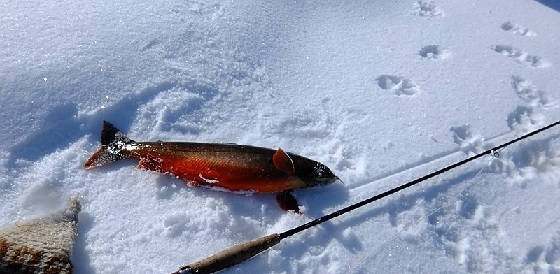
{"points": [[226, 166]]}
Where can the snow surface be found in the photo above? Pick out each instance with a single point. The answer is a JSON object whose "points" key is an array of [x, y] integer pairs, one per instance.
{"points": [[380, 91]]}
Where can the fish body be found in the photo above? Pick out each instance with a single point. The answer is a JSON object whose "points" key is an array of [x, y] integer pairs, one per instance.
{"points": [[226, 166], [233, 167]]}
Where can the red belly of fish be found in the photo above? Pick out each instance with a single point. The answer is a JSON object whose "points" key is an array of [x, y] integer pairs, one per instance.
{"points": [[229, 176]]}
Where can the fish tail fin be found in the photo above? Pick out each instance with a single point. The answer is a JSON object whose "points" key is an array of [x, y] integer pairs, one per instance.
{"points": [[113, 143]]}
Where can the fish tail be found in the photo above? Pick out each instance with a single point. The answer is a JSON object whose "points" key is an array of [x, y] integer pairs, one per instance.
{"points": [[113, 143]]}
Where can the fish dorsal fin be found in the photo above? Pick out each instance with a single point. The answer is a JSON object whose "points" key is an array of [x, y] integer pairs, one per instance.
{"points": [[283, 162]]}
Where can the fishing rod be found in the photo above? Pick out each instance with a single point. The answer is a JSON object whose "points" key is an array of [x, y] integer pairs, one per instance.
{"points": [[244, 251]]}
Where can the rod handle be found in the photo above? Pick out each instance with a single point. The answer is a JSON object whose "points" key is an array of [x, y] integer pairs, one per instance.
{"points": [[231, 256]]}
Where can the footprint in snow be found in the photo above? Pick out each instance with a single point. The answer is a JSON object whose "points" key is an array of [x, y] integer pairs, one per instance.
{"points": [[517, 29], [434, 52], [468, 207], [467, 141], [521, 56], [427, 9], [528, 92], [527, 116], [528, 160], [544, 259], [400, 85]]}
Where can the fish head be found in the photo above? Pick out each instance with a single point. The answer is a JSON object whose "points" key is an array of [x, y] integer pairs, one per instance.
{"points": [[312, 172], [323, 175]]}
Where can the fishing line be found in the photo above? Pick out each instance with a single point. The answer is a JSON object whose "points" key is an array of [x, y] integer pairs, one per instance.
{"points": [[339, 212], [241, 252]]}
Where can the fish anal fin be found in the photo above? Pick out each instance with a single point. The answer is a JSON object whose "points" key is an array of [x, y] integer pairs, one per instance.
{"points": [[283, 162], [287, 201]]}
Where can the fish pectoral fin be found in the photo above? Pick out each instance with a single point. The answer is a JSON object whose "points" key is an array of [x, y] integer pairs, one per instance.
{"points": [[287, 201], [283, 162]]}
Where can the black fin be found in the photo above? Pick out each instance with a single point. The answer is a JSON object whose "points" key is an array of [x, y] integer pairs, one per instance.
{"points": [[113, 142], [110, 134], [287, 201]]}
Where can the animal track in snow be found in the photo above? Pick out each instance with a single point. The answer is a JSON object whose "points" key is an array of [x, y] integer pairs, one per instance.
{"points": [[539, 155], [542, 259], [464, 137], [517, 29], [467, 231], [528, 92], [463, 227], [521, 56], [528, 160], [434, 52], [527, 116], [400, 85], [427, 9], [468, 207]]}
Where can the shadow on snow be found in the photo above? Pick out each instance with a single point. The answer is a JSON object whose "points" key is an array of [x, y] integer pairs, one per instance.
{"points": [[553, 4], [62, 125]]}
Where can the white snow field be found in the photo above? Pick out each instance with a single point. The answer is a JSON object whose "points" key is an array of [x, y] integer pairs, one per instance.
{"points": [[382, 92]]}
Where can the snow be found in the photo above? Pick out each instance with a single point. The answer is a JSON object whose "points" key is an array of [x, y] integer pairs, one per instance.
{"points": [[382, 92]]}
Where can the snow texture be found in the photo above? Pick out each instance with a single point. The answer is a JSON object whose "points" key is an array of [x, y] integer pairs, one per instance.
{"points": [[382, 92]]}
